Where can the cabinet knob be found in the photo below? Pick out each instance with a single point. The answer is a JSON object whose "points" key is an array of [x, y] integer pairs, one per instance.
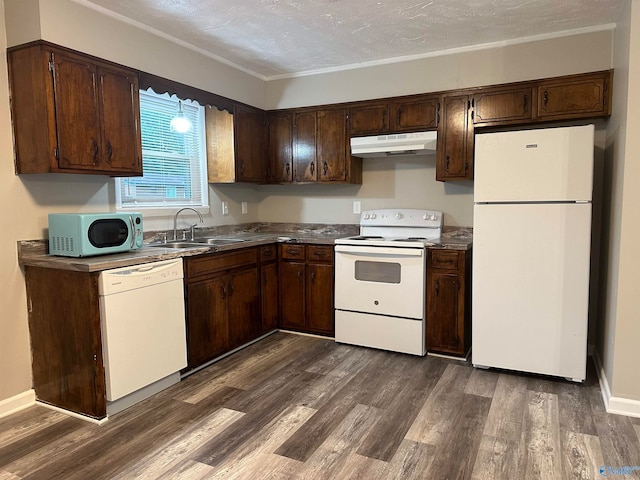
{"points": [[109, 152], [313, 168], [325, 168], [545, 97]]}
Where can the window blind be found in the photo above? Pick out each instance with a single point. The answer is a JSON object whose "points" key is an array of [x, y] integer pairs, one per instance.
{"points": [[174, 164]]}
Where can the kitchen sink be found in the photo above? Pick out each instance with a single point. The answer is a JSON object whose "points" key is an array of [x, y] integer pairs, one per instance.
{"points": [[218, 241]]}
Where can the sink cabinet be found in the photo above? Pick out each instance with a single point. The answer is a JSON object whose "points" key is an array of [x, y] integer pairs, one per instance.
{"points": [[448, 301], [222, 293], [306, 288], [73, 113]]}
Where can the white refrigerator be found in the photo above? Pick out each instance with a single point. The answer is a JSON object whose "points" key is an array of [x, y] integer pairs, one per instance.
{"points": [[531, 250]]}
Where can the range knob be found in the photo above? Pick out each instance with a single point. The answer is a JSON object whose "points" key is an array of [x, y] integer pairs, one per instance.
{"points": [[398, 215], [373, 216], [367, 216]]}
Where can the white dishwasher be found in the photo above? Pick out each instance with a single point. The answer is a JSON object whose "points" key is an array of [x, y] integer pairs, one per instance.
{"points": [[143, 330]]}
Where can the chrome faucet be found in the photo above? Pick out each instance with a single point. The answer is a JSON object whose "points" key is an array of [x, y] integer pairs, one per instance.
{"points": [[175, 222]]}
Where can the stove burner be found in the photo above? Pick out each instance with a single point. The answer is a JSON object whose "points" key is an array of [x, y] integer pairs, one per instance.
{"points": [[410, 239], [367, 237]]}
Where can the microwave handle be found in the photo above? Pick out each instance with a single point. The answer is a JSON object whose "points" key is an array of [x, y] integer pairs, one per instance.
{"points": [[379, 251], [132, 224]]}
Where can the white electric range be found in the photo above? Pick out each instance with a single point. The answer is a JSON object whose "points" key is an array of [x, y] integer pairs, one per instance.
{"points": [[380, 280]]}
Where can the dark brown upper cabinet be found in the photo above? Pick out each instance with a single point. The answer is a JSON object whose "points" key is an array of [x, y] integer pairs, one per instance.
{"points": [[73, 113], [454, 154], [499, 106], [399, 115], [280, 154], [576, 96]]}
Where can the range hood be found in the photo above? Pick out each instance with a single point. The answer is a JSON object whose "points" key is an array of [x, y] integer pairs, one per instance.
{"points": [[394, 144]]}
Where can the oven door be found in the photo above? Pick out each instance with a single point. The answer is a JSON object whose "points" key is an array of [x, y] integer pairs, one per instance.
{"points": [[380, 280]]}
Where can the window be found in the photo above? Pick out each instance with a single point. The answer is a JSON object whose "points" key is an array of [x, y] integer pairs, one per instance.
{"points": [[174, 164]]}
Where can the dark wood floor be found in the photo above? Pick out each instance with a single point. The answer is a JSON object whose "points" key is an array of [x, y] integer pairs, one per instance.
{"points": [[299, 407]]}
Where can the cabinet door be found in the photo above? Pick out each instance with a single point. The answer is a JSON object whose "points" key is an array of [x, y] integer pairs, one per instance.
{"points": [[77, 107], [269, 291], [575, 97], [280, 147], [305, 168], [332, 145], [292, 294], [412, 115], [369, 119], [319, 298], [444, 322], [121, 143], [207, 322], [249, 129], [244, 307], [454, 158], [503, 107]]}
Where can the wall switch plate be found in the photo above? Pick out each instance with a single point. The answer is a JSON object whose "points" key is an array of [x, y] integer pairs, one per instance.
{"points": [[245, 208], [225, 208], [356, 207]]}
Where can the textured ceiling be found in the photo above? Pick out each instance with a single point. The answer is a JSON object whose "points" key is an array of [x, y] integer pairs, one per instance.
{"points": [[273, 38]]}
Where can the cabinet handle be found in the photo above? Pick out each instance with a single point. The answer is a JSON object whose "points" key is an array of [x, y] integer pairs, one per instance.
{"points": [[313, 168], [242, 167], [223, 291], [447, 163], [437, 287], [526, 102], [109, 152], [545, 98], [287, 168], [398, 117], [95, 151], [313, 276], [230, 289], [299, 275], [325, 168]]}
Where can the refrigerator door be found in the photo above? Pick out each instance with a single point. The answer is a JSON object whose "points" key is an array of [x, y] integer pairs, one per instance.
{"points": [[531, 287], [551, 164]]}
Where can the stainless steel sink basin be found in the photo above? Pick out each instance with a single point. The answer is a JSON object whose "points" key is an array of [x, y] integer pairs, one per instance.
{"points": [[183, 244], [218, 241]]}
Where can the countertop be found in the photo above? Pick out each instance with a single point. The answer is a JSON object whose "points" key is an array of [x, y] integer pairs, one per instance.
{"points": [[35, 252]]}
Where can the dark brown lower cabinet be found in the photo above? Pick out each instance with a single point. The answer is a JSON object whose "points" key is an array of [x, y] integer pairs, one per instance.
{"points": [[222, 293], [269, 287], [448, 301], [66, 345], [306, 288]]}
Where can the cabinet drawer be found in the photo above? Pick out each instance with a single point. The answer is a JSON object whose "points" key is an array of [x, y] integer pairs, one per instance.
{"points": [[292, 252], [445, 259], [207, 264], [267, 253], [318, 253]]}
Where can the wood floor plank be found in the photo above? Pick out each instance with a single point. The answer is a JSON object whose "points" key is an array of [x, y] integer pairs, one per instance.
{"points": [[482, 383], [333, 453], [27, 422], [501, 451], [190, 470], [541, 437], [463, 435], [387, 435], [581, 456], [359, 467], [176, 451], [246, 460], [618, 441], [8, 476], [637, 429], [435, 416], [575, 410], [270, 466], [411, 461]]}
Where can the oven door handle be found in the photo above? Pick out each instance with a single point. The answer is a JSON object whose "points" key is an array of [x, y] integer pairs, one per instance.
{"points": [[380, 251]]}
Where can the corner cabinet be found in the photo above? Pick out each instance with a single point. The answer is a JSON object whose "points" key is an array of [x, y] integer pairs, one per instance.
{"points": [[311, 146], [306, 288], [269, 287], [73, 113], [448, 301]]}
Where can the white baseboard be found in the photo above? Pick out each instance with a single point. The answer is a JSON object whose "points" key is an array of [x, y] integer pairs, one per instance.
{"points": [[616, 405], [17, 403], [69, 413]]}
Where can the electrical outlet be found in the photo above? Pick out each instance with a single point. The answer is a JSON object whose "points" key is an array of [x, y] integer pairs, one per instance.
{"points": [[356, 207], [245, 208], [225, 208]]}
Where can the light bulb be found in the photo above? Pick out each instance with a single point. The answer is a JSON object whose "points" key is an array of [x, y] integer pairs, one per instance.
{"points": [[180, 123]]}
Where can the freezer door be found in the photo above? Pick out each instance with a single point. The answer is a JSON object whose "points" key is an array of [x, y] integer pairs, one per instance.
{"points": [[531, 288], [551, 164]]}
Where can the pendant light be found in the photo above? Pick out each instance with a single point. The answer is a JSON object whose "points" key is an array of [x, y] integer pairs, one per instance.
{"points": [[180, 123]]}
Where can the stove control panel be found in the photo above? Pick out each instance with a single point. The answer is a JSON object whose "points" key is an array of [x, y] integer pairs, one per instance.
{"points": [[401, 217]]}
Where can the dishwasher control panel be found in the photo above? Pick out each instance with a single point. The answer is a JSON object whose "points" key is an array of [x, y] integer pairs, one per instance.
{"points": [[139, 276]]}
